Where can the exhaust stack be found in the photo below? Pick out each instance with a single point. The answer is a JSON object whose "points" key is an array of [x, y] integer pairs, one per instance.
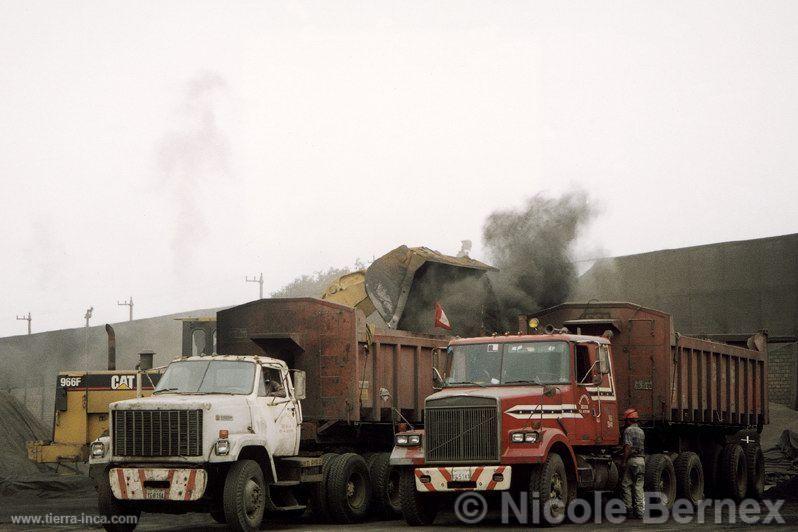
{"points": [[111, 347]]}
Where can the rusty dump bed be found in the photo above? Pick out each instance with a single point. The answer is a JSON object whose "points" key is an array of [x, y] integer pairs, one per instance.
{"points": [[668, 377], [346, 364]]}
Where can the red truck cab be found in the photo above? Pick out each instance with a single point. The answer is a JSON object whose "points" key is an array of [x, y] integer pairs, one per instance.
{"points": [[512, 402], [540, 412]]}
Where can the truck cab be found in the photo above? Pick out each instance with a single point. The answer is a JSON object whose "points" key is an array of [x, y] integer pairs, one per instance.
{"points": [[535, 408], [218, 434]]}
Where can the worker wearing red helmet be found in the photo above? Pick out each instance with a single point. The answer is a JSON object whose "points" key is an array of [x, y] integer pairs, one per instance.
{"points": [[634, 464]]}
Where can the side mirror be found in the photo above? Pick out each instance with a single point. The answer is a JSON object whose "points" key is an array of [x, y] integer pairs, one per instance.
{"points": [[596, 380], [299, 378], [604, 360], [549, 390], [437, 379]]}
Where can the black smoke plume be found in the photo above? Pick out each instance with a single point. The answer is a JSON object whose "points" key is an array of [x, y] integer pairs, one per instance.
{"points": [[532, 248]]}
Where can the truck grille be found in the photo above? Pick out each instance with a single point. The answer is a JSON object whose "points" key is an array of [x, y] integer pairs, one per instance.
{"points": [[157, 432], [461, 433]]}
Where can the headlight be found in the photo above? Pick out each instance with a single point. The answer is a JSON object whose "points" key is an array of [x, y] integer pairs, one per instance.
{"points": [[97, 449], [222, 447], [525, 437], [408, 440]]}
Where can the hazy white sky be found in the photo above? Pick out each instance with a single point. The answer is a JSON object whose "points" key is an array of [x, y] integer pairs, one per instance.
{"points": [[165, 150]]}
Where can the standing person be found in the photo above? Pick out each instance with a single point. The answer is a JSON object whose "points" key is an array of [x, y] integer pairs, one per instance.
{"points": [[634, 464]]}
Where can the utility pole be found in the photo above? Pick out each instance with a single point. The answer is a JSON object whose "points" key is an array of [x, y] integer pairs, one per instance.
{"points": [[26, 318], [86, 340], [128, 303], [258, 280]]}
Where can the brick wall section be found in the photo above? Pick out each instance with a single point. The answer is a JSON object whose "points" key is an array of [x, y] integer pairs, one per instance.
{"points": [[783, 374]]}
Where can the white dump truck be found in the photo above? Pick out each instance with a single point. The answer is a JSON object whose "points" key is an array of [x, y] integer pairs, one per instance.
{"points": [[219, 434], [234, 434]]}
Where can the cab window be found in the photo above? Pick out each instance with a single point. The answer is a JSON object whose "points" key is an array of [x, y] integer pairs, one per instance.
{"points": [[271, 383], [582, 364]]}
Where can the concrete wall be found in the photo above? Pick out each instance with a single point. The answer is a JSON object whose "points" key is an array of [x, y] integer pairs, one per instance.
{"points": [[30, 363], [783, 374]]}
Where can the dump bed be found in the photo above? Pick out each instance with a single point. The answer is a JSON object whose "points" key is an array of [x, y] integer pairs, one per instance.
{"points": [[348, 365], [668, 377]]}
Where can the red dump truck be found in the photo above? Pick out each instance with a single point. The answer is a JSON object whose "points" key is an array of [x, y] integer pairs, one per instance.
{"points": [[541, 411], [361, 382]]}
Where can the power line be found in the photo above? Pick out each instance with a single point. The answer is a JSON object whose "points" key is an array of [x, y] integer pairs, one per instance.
{"points": [[26, 318], [258, 280], [127, 303]]}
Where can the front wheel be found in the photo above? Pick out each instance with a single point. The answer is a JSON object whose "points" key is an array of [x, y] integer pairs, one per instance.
{"points": [[548, 483], [244, 497], [119, 517], [417, 509]]}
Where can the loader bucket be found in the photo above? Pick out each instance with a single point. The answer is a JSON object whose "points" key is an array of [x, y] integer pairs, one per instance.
{"points": [[391, 279]]}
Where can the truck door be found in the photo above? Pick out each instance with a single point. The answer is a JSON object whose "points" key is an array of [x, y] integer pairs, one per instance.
{"points": [[588, 405], [281, 411], [604, 393]]}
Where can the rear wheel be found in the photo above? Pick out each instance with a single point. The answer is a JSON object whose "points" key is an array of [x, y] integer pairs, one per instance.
{"points": [[318, 493], [689, 477], [348, 488], [734, 471], [756, 470], [385, 486], [244, 497], [550, 481], [660, 477], [418, 509], [112, 508]]}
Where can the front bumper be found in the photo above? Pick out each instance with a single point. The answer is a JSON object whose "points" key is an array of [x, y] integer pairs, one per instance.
{"points": [[463, 478], [157, 483]]}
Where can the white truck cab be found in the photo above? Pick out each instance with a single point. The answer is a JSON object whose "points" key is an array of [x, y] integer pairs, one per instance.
{"points": [[218, 434]]}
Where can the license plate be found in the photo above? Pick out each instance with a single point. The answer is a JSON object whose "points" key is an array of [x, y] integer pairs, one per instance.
{"points": [[461, 475], [155, 493]]}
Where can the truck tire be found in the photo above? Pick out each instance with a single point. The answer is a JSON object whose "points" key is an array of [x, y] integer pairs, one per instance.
{"points": [[734, 471], [756, 471], [550, 481], [348, 489], [244, 496], [689, 477], [112, 509], [660, 477], [418, 509], [318, 493], [712, 470], [385, 486]]}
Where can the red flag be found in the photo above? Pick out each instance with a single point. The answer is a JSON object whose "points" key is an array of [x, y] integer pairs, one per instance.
{"points": [[440, 318]]}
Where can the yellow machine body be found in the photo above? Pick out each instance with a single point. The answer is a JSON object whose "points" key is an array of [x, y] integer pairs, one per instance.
{"points": [[81, 410]]}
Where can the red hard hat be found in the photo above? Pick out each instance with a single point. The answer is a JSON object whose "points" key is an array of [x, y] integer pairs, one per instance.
{"points": [[631, 413]]}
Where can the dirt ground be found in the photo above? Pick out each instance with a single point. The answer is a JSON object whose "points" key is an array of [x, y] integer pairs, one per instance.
{"points": [[86, 504]]}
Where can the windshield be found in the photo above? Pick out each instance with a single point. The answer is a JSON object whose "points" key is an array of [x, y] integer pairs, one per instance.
{"points": [[208, 376], [507, 363]]}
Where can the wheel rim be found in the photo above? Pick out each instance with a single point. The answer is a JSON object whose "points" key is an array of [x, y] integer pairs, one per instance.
{"points": [[741, 479], [695, 483], [356, 490], [759, 471], [556, 493], [392, 489], [253, 498], [664, 487]]}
